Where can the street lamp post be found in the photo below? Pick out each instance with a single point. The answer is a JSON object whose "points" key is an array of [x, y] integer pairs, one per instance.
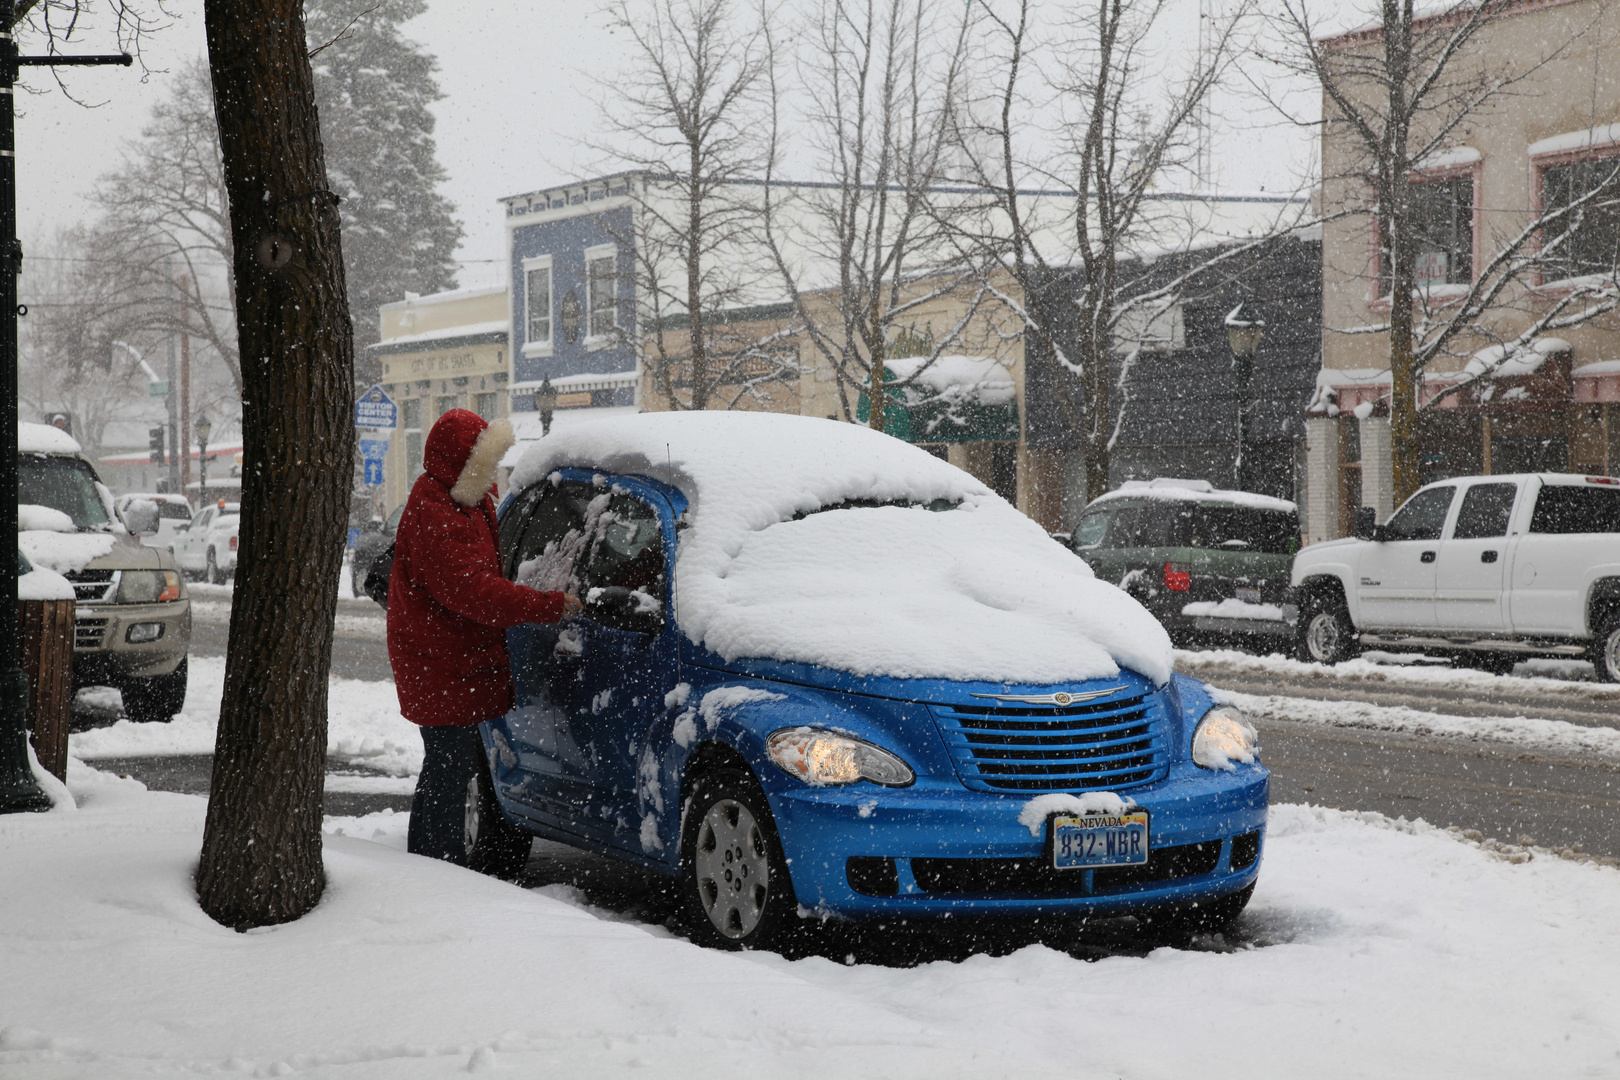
{"points": [[19, 791], [203, 429], [545, 403], [1243, 329]]}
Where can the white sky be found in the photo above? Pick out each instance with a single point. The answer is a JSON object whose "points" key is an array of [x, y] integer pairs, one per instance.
{"points": [[517, 103]]}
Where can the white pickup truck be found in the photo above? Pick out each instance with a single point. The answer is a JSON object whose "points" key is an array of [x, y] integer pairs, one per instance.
{"points": [[1488, 570]]}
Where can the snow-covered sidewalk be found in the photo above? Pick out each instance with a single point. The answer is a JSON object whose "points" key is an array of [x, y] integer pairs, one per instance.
{"points": [[1392, 949]]}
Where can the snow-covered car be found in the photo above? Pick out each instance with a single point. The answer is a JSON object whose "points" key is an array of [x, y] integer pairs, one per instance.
{"points": [[1488, 570], [1206, 562], [132, 618], [172, 510], [822, 673], [205, 546]]}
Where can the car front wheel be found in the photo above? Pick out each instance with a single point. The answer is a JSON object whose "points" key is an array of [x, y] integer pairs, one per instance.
{"points": [[156, 700], [1326, 635], [734, 877], [1606, 649]]}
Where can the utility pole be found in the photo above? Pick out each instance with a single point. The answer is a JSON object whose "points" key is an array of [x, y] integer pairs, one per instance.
{"points": [[18, 790], [170, 400]]}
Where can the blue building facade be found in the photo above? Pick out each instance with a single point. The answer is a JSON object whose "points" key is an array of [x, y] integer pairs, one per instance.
{"points": [[571, 254]]}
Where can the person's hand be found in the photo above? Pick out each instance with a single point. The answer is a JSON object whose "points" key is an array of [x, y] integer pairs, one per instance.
{"points": [[571, 605]]}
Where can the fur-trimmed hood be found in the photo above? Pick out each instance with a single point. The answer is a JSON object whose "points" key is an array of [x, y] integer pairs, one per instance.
{"points": [[462, 452]]}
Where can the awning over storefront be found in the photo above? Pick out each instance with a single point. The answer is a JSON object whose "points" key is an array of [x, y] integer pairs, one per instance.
{"points": [[1597, 383], [953, 399]]}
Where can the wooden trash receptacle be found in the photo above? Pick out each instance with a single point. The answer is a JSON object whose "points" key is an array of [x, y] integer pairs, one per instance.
{"points": [[47, 640]]}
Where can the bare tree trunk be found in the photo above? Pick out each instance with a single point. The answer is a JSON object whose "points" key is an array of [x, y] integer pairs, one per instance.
{"points": [[261, 854]]}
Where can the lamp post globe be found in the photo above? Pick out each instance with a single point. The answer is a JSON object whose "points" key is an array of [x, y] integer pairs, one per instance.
{"points": [[1243, 329]]}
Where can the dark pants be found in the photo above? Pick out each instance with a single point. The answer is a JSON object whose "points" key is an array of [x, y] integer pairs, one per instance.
{"points": [[453, 758]]}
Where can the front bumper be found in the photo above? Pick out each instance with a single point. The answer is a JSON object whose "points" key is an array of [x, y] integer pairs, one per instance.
{"points": [[920, 841], [103, 653]]}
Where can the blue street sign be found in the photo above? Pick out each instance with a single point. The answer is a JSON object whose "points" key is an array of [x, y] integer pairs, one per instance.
{"points": [[376, 409], [373, 449], [374, 470]]}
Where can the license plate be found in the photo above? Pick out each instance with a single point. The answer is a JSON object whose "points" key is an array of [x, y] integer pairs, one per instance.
{"points": [[1080, 843], [1249, 596]]}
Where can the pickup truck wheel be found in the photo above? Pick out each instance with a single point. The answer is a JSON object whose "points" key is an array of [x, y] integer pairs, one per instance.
{"points": [[1326, 635], [1606, 648]]}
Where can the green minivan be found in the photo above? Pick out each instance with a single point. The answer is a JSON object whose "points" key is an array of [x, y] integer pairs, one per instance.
{"points": [[1211, 565]]}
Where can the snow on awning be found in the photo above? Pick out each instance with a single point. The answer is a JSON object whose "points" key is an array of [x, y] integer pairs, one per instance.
{"points": [[1497, 362], [951, 399]]}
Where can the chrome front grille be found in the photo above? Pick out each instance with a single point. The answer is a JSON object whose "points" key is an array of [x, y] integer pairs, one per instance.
{"points": [[92, 585], [1099, 745], [89, 633]]}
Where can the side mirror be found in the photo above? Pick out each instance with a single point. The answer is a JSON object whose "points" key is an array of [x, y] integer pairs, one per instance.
{"points": [[1366, 527], [141, 517]]}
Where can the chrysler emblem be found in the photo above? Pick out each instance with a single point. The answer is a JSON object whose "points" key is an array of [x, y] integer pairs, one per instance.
{"points": [[1062, 697]]}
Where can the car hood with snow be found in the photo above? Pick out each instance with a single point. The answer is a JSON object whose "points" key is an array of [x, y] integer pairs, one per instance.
{"points": [[812, 542]]}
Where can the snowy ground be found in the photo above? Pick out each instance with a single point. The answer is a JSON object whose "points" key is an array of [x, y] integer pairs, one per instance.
{"points": [[1373, 948], [364, 725]]}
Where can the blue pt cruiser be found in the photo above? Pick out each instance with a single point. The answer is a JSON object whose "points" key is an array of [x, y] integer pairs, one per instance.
{"points": [[750, 705]]}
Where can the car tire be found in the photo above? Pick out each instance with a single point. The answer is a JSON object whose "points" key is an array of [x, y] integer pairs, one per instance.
{"points": [[212, 573], [1605, 655], [1210, 917], [735, 888], [1325, 634], [493, 844], [156, 700]]}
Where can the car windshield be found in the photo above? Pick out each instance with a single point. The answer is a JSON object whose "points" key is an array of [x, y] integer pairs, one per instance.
{"points": [[62, 483]]}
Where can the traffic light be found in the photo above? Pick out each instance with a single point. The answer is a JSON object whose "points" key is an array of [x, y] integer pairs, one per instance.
{"points": [[154, 439]]}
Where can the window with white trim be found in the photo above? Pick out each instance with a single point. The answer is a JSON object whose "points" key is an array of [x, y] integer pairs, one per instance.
{"points": [[537, 301], [602, 291], [1442, 221], [1593, 247]]}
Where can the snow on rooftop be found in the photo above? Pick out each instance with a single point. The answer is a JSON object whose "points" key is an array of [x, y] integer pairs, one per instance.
{"points": [[1165, 487], [978, 592], [494, 326], [44, 439]]}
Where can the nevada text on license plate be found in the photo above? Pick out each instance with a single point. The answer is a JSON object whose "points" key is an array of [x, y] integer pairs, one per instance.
{"points": [[1079, 843]]}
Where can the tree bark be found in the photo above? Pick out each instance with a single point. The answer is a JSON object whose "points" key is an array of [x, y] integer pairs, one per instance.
{"points": [[261, 853]]}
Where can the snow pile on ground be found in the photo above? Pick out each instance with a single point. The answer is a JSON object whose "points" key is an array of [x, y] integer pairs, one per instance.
{"points": [[1233, 608], [1410, 670], [974, 592], [364, 725], [1384, 949]]}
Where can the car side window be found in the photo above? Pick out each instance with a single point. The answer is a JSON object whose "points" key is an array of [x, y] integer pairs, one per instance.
{"points": [[1091, 529], [1423, 516], [1485, 511], [606, 547], [1569, 508], [201, 520]]}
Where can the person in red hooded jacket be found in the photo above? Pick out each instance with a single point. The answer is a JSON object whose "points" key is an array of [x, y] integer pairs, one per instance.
{"points": [[449, 606]]}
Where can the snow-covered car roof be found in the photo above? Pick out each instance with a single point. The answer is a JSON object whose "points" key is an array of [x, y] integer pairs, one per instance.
{"points": [[977, 592], [44, 439], [1193, 491]]}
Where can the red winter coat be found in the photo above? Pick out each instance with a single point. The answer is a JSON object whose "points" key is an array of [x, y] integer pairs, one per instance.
{"points": [[448, 603]]}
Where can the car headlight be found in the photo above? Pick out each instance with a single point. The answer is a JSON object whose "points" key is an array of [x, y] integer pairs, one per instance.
{"points": [[148, 586], [1224, 737], [825, 758]]}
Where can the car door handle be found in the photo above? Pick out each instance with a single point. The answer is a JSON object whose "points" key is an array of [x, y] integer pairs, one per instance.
{"points": [[1487, 556], [1427, 556]]}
